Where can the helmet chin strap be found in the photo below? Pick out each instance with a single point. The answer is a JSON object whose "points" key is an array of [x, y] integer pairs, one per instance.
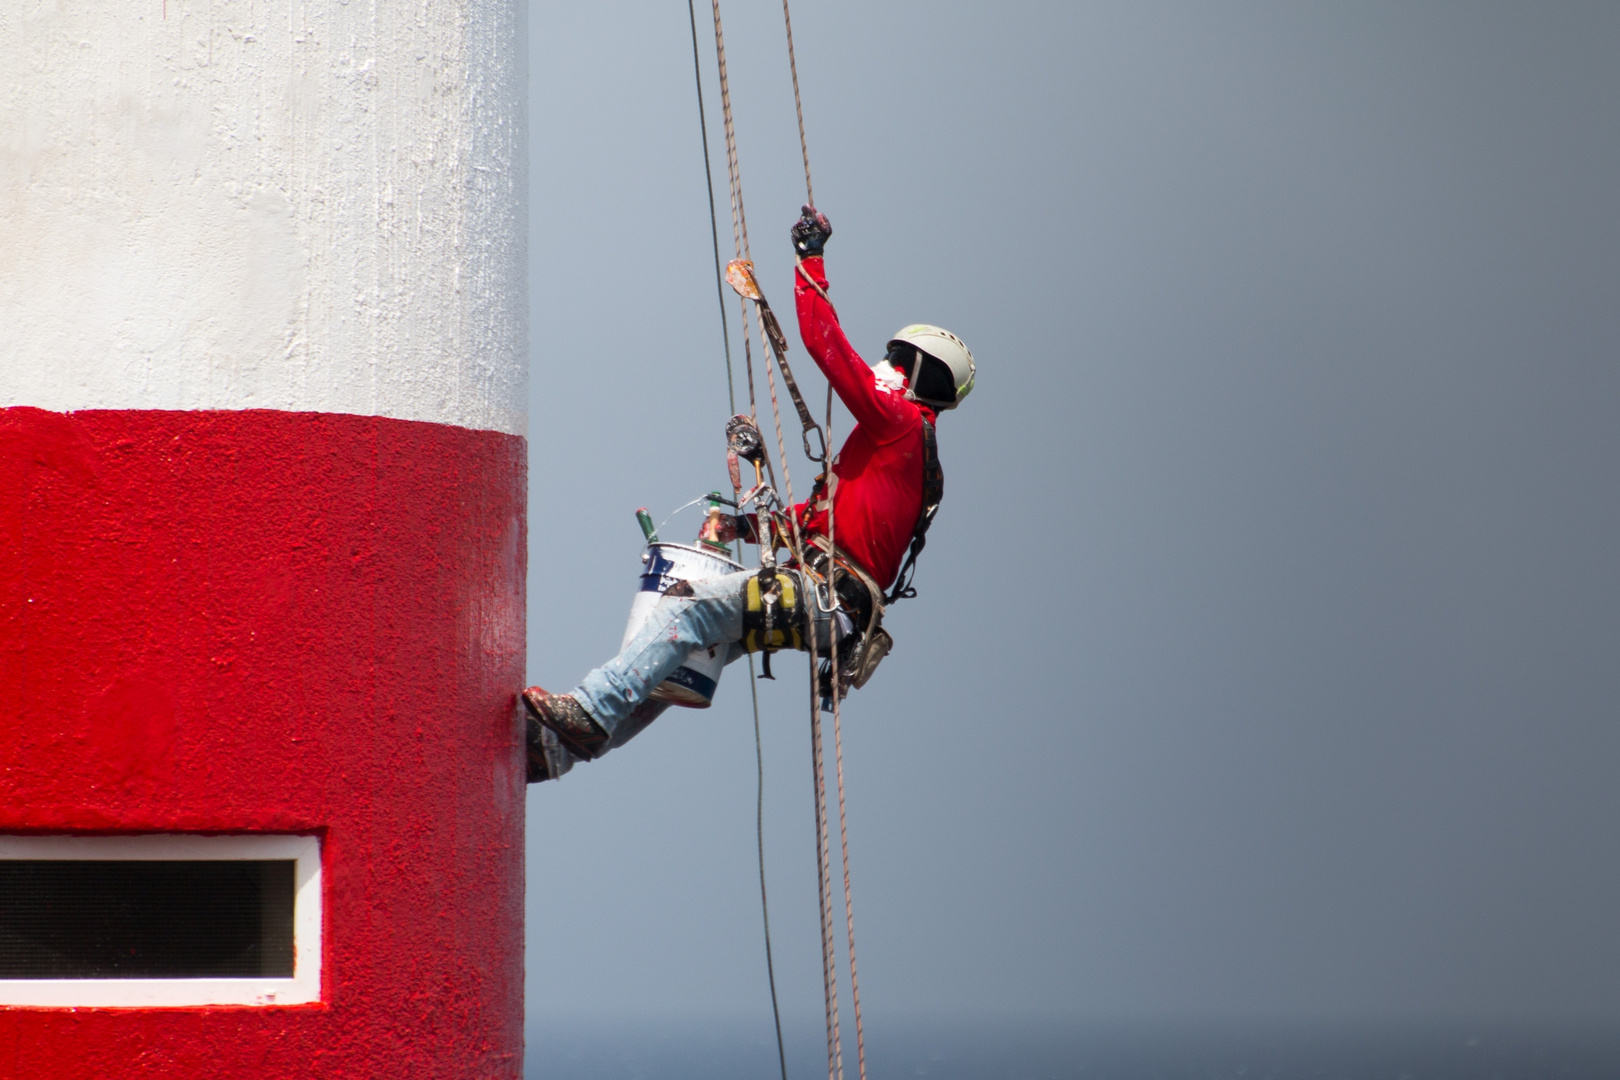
{"points": [[911, 377]]}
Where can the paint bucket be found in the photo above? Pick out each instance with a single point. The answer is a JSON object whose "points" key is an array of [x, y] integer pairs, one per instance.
{"points": [[693, 683]]}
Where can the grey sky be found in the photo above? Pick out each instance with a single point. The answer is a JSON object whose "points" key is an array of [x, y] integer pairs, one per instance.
{"points": [[1266, 653]]}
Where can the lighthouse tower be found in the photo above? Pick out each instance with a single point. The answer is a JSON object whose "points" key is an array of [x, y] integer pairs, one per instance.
{"points": [[262, 473]]}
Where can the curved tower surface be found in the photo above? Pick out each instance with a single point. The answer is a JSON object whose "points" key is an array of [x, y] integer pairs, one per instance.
{"points": [[262, 483]]}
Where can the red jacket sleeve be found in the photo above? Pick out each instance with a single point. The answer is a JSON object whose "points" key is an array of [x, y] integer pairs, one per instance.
{"points": [[885, 416]]}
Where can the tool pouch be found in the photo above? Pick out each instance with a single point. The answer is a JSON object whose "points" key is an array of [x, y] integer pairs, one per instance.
{"points": [[784, 629]]}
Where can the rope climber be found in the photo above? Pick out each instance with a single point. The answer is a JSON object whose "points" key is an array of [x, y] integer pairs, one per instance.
{"points": [[882, 488], [697, 610]]}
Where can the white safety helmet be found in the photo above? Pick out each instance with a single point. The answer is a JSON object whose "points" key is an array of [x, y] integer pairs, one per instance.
{"points": [[945, 347]]}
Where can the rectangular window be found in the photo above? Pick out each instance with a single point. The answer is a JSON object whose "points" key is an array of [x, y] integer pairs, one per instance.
{"points": [[156, 920], [141, 918]]}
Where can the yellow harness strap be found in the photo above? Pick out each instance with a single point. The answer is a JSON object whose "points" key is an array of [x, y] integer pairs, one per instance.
{"points": [[788, 624]]}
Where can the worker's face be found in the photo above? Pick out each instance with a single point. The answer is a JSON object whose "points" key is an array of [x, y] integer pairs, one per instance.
{"points": [[900, 359], [888, 375]]}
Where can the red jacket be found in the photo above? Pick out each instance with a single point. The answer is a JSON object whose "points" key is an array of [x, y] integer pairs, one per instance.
{"points": [[877, 476]]}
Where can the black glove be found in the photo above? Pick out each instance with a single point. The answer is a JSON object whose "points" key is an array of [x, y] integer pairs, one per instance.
{"points": [[810, 232]]}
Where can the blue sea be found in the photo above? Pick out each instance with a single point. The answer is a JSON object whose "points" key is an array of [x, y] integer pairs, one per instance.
{"points": [[1002, 1050]]}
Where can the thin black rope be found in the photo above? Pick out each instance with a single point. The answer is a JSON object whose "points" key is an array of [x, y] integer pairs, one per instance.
{"points": [[753, 685], [759, 837], [714, 223]]}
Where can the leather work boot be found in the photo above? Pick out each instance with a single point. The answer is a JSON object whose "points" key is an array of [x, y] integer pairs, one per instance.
{"points": [[546, 756], [567, 719]]}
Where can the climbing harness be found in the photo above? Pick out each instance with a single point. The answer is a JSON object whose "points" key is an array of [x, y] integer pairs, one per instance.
{"points": [[768, 594], [778, 625], [933, 493], [860, 595]]}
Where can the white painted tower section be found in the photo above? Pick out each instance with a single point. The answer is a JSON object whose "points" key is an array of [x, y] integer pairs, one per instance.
{"points": [[263, 381], [271, 204]]}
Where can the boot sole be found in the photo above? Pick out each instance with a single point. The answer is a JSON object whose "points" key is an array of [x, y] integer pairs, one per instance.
{"points": [[569, 744]]}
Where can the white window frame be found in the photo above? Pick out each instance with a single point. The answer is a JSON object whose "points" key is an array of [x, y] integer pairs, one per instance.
{"points": [[304, 986]]}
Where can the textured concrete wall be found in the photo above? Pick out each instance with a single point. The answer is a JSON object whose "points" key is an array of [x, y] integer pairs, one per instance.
{"points": [[262, 485], [264, 204]]}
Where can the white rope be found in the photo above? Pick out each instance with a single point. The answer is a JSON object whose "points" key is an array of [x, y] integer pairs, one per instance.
{"points": [[753, 685], [739, 229], [838, 757], [793, 66]]}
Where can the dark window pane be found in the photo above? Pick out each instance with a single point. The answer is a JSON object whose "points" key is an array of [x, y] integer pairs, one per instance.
{"points": [[115, 919]]}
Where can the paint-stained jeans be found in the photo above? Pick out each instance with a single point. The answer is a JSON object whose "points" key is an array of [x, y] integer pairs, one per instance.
{"points": [[711, 616]]}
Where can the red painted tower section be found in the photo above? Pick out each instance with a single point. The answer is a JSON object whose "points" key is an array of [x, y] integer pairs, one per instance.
{"points": [[263, 390], [279, 622]]}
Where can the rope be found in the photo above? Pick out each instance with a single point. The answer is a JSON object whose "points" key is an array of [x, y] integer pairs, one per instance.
{"points": [[739, 236], [829, 971], [838, 757], [829, 974], [731, 398], [739, 230], [739, 219], [793, 66], [838, 739], [824, 852], [759, 838], [714, 224]]}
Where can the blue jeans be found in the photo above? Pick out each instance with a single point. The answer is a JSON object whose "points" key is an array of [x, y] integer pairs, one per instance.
{"points": [[711, 616]]}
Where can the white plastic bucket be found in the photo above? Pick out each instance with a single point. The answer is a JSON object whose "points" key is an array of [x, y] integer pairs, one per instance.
{"points": [[694, 682]]}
